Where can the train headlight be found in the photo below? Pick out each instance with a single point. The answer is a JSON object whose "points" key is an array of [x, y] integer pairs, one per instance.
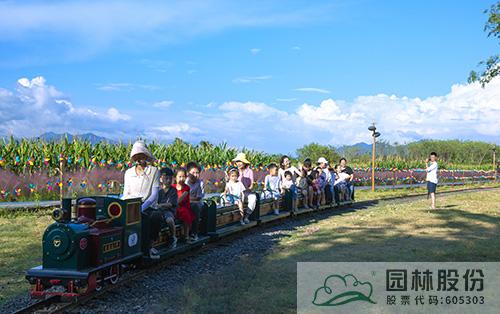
{"points": [[57, 214]]}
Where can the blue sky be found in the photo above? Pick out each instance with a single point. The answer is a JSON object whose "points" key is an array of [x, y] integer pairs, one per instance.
{"points": [[247, 72]]}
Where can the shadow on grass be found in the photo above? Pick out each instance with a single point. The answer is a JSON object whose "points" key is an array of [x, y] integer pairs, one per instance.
{"points": [[268, 284]]}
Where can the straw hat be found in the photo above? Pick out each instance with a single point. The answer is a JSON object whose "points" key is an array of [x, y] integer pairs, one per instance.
{"points": [[322, 160], [241, 157], [139, 147]]}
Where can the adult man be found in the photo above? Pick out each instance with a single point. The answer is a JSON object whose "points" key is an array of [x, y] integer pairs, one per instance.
{"points": [[431, 178], [350, 181]]}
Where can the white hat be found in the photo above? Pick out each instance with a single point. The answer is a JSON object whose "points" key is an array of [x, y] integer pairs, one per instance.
{"points": [[322, 160], [139, 147]]}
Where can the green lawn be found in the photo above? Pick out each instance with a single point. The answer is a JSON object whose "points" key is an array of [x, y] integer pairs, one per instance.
{"points": [[21, 236], [465, 227]]}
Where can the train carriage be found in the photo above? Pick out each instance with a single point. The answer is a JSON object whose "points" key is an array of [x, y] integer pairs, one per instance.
{"points": [[108, 235]]}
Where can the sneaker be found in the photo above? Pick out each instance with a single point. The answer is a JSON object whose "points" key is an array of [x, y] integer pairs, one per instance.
{"points": [[173, 245], [276, 212], [246, 220], [194, 237], [154, 254], [306, 207], [242, 221], [189, 240]]}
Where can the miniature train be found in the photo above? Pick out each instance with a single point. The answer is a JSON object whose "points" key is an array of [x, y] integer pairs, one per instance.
{"points": [[108, 236]]}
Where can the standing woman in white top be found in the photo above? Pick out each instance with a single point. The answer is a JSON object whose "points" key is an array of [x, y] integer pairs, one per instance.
{"points": [[143, 179], [432, 178]]}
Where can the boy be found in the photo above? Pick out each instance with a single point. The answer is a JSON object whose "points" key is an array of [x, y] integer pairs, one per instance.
{"points": [[196, 193], [431, 178], [272, 187], [167, 201]]}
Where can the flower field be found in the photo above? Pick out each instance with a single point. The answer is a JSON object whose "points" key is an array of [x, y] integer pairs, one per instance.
{"points": [[31, 169]]}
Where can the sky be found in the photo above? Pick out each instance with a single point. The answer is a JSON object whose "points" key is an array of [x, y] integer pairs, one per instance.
{"points": [[267, 75]]}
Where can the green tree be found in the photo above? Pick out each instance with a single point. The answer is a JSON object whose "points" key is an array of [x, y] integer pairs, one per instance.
{"points": [[492, 64], [315, 151]]}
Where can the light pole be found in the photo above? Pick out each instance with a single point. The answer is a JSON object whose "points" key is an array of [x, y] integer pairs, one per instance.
{"points": [[494, 149], [374, 136]]}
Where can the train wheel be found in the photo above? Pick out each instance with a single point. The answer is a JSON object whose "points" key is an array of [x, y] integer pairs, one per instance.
{"points": [[114, 274], [99, 282]]}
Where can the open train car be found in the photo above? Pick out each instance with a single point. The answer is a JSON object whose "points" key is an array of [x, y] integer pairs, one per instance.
{"points": [[108, 236]]}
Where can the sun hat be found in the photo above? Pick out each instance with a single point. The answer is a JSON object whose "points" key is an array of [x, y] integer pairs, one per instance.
{"points": [[139, 147], [241, 157], [322, 160]]}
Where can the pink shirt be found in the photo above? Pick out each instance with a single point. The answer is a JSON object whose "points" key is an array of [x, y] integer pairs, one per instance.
{"points": [[246, 177]]}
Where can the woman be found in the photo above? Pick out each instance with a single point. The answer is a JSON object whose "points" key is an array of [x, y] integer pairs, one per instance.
{"points": [[286, 165], [143, 180], [246, 177]]}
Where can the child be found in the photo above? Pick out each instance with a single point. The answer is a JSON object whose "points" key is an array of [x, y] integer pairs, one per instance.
{"points": [[167, 202], [246, 177], [340, 184], [316, 187], [184, 212], [196, 194], [303, 188], [322, 183], [234, 192], [289, 186], [272, 187]]}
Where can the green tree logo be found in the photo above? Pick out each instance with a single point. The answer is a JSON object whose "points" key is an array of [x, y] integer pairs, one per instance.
{"points": [[338, 290]]}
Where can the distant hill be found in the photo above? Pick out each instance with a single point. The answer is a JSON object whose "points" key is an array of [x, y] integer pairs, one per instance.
{"points": [[92, 138], [360, 149]]}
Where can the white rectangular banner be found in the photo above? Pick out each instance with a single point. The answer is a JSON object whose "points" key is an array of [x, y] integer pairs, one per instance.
{"points": [[420, 287]]}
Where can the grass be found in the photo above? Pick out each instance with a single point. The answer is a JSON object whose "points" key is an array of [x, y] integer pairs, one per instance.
{"points": [[465, 227], [20, 248], [21, 234]]}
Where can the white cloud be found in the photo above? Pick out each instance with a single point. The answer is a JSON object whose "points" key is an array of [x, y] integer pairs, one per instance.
{"points": [[114, 87], [115, 115], [163, 104], [296, 48], [286, 99], [466, 112], [255, 51], [313, 90], [252, 79], [174, 130], [35, 107], [251, 109]]}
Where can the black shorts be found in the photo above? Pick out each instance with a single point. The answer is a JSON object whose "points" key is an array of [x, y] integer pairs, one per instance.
{"points": [[431, 187]]}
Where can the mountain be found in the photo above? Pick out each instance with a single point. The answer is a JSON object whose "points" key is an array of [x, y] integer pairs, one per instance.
{"points": [[91, 137], [356, 149]]}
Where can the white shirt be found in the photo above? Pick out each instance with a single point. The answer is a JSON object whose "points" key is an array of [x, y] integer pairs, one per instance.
{"points": [[287, 184], [235, 188], [341, 177], [292, 169], [141, 185], [432, 171], [328, 175]]}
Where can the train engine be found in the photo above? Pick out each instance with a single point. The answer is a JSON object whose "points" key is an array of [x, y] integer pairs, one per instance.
{"points": [[82, 253]]}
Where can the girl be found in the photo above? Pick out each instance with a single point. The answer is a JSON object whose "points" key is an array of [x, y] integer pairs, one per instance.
{"points": [[184, 212], [272, 187], [290, 187], [246, 177], [316, 187], [234, 192]]}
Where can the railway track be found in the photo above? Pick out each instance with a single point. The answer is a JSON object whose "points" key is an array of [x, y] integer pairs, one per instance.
{"points": [[56, 304]]}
